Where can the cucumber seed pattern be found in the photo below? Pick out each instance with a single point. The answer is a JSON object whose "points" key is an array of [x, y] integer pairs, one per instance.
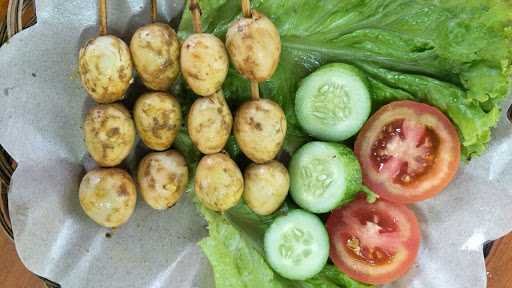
{"points": [[331, 104], [296, 245], [321, 177]]}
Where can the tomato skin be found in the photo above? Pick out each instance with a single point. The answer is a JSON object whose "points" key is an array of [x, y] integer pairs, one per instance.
{"points": [[370, 273], [436, 179]]}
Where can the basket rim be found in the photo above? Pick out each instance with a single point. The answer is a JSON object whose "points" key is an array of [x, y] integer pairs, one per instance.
{"points": [[6, 171]]}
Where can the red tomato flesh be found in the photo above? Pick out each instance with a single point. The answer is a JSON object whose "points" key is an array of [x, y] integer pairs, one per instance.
{"points": [[408, 152], [373, 243], [404, 151]]}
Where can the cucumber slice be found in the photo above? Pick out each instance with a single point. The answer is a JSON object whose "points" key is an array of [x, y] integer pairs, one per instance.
{"points": [[324, 176], [297, 245], [333, 103]]}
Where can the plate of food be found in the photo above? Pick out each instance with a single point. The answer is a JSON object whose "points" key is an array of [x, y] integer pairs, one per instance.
{"points": [[289, 143]]}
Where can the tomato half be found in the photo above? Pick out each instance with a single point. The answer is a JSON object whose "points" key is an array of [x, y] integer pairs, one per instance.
{"points": [[408, 151], [373, 243]]}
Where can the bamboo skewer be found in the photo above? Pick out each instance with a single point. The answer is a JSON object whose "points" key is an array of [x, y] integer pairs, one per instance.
{"points": [[102, 13], [196, 16], [255, 90], [246, 12], [154, 11], [246, 8]]}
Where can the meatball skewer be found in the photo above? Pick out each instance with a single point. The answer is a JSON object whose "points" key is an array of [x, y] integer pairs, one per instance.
{"points": [[105, 64], [155, 51], [204, 61], [162, 176], [209, 120], [107, 195], [218, 182], [254, 47]]}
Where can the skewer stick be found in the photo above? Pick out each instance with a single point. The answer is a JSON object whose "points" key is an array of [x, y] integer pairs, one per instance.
{"points": [[196, 15], [246, 11], [154, 13], [246, 8], [102, 13], [255, 90]]}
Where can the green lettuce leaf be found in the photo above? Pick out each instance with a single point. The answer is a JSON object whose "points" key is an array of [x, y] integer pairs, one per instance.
{"points": [[452, 54], [234, 261], [329, 277]]}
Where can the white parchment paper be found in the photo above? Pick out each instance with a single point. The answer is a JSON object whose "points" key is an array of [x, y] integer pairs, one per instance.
{"points": [[42, 106]]}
